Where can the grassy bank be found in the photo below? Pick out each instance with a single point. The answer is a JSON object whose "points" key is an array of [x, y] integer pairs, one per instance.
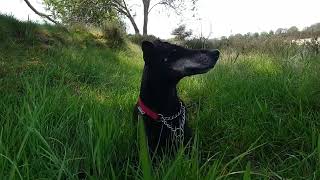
{"points": [[66, 104]]}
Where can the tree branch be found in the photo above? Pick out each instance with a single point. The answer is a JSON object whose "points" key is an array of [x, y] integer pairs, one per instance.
{"points": [[123, 9], [168, 3], [158, 3], [120, 8], [41, 14]]}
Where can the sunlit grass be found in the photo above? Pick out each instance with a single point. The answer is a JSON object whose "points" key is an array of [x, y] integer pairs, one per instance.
{"points": [[66, 111]]}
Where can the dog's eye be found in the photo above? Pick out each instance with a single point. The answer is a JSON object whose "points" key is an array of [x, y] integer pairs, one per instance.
{"points": [[165, 59]]}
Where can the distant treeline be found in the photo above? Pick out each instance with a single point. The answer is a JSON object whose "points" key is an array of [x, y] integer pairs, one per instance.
{"points": [[276, 42], [280, 43]]}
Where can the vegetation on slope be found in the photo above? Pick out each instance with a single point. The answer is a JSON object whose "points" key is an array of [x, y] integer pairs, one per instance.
{"points": [[66, 104]]}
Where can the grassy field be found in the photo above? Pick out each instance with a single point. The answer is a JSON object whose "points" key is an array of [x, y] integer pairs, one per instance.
{"points": [[66, 104]]}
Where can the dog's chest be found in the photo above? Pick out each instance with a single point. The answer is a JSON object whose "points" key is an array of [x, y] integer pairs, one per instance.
{"points": [[164, 130]]}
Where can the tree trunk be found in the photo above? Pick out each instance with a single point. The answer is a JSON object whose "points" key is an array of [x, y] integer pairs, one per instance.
{"points": [[124, 10], [136, 29], [146, 4]]}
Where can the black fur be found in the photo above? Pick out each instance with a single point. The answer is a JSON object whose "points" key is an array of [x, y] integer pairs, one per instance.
{"points": [[165, 65]]}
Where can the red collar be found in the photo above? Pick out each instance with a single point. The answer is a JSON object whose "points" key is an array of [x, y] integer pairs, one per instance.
{"points": [[146, 110]]}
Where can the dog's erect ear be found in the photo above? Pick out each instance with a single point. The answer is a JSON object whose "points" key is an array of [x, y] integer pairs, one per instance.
{"points": [[147, 46], [147, 49]]}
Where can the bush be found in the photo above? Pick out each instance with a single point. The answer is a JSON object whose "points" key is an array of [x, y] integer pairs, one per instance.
{"points": [[23, 31], [137, 39], [114, 34], [199, 43]]}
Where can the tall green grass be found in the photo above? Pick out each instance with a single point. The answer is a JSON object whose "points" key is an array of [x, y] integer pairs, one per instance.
{"points": [[66, 104]]}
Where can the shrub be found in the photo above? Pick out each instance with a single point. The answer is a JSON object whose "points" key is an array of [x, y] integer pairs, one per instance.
{"points": [[137, 39], [199, 43], [23, 31], [114, 34]]}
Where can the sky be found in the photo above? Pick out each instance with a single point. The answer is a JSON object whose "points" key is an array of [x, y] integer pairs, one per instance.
{"points": [[214, 18]]}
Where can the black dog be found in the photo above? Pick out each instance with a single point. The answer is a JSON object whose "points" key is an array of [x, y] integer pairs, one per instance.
{"points": [[164, 114]]}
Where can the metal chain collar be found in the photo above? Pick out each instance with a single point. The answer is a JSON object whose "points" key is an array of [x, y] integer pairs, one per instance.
{"points": [[178, 132]]}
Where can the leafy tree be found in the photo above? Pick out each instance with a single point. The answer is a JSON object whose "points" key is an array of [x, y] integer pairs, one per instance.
{"points": [[264, 34], [314, 28], [96, 11], [81, 11], [293, 30], [255, 35], [238, 35], [281, 31], [271, 33], [181, 33]]}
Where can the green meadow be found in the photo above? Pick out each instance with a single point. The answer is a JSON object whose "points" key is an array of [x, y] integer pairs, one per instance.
{"points": [[66, 104]]}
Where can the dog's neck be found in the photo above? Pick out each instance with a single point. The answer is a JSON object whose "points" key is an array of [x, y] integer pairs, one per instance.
{"points": [[159, 94]]}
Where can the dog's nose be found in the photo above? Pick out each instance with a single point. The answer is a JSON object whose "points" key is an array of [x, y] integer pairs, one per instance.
{"points": [[215, 53]]}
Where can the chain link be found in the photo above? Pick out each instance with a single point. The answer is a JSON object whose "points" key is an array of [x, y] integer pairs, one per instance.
{"points": [[178, 132]]}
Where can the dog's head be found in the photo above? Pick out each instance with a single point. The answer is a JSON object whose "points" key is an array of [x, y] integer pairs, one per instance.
{"points": [[172, 61]]}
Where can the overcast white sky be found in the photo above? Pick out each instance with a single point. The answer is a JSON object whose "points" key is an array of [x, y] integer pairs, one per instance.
{"points": [[221, 17]]}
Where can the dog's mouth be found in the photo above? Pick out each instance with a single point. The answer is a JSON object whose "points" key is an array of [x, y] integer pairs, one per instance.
{"points": [[204, 70], [201, 63], [198, 70]]}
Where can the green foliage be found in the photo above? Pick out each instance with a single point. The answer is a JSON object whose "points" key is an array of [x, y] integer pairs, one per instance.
{"points": [[293, 30], [315, 28], [198, 43], [137, 39], [180, 33], [23, 31], [81, 11], [246, 175], [114, 34], [282, 43], [66, 113], [145, 161], [276, 46]]}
